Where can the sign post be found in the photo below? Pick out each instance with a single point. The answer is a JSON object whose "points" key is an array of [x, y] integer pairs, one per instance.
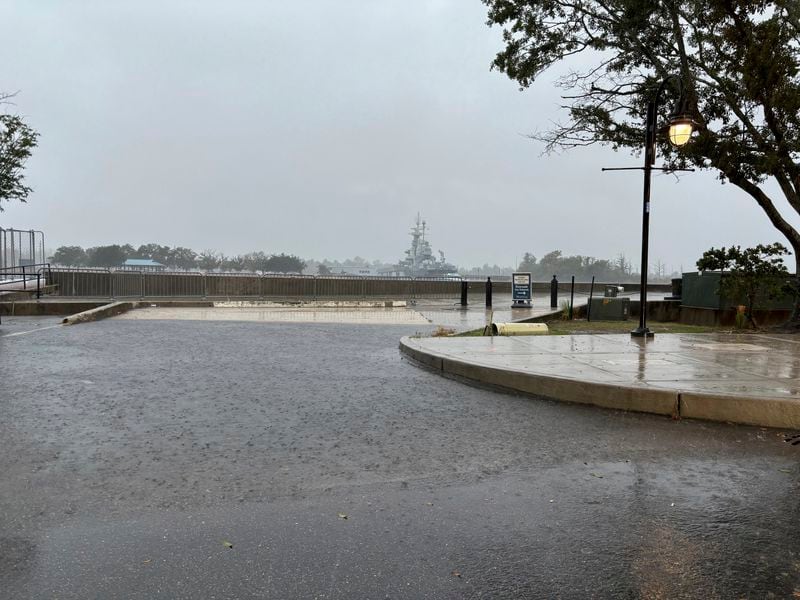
{"points": [[521, 290]]}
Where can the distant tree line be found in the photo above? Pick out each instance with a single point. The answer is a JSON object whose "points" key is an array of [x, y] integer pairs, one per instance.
{"points": [[486, 270], [585, 267], [177, 258], [186, 259]]}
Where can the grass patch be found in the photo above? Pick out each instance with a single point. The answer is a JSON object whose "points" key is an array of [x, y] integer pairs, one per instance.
{"points": [[443, 332], [579, 326], [471, 333]]}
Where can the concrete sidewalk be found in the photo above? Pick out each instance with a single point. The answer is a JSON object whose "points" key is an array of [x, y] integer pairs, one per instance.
{"points": [[422, 312], [750, 379]]}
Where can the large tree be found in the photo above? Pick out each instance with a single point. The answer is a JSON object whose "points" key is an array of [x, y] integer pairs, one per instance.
{"points": [[17, 140], [109, 256], [285, 263], [208, 260], [70, 256], [156, 252], [182, 258], [739, 61]]}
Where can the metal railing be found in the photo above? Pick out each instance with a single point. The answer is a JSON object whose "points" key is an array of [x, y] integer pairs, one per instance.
{"points": [[11, 277], [108, 283], [82, 283]]}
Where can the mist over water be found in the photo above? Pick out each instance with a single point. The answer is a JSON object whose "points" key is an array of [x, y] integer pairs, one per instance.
{"points": [[321, 129]]}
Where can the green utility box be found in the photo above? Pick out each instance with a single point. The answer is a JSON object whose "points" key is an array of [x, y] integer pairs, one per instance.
{"points": [[610, 309], [701, 290]]}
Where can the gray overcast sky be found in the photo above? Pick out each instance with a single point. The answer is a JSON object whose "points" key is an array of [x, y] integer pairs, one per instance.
{"points": [[320, 128]]}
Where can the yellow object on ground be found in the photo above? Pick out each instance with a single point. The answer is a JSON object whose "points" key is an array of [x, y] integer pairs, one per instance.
{"points": [[519, 329]]}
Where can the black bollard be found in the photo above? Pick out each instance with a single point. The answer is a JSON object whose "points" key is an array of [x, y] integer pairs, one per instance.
{"points": [[554, 293], [464, 286], [571, 296], [488, 292]]}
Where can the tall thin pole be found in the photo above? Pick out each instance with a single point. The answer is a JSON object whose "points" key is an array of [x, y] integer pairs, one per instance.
{"points": [[649, 159], [571, 296]]}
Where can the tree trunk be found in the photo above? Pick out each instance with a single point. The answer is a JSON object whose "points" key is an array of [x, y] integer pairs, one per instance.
{"points": [[751, 300], [782, 225], [794, 318]]}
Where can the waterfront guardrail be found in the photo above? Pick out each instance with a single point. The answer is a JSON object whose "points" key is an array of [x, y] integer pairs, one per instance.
{"points": [[23, 277], [120, 283], [110, 283]]}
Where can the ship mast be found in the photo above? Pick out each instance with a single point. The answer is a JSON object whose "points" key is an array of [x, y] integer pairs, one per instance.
{"points": [[420, 260], [416, 233]]}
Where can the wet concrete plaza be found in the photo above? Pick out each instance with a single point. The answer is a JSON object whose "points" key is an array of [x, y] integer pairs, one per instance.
{"points": [[746, 378], [444, 313], [224, 459]]}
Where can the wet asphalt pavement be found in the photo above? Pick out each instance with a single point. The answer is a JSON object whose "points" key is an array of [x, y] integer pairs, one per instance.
{"points": [[135, 454]]}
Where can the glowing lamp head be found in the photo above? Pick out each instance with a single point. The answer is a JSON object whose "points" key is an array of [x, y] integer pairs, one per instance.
{"points": [[680, 130]]}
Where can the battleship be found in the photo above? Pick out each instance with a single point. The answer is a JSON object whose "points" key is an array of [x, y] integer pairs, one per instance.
{"points": [[419, 260]]}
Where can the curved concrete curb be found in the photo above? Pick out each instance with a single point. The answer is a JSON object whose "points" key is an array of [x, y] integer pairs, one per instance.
{"points": [[101, 312], [765, 412]]}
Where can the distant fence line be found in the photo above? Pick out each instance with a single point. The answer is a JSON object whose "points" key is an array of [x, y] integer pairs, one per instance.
{"points": [[107, 283]]}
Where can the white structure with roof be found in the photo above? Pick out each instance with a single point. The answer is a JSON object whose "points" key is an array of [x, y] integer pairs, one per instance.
{"points": [[142, 264]]}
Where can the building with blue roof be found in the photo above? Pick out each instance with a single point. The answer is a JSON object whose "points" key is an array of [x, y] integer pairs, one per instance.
{"points": [[142, 264]]}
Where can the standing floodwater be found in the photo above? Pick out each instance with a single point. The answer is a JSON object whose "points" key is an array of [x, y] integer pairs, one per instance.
{"points": [[186, 459]]}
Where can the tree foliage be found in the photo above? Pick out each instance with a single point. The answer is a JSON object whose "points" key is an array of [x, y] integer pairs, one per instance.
{"points": [[739, 61], [17, 141], [256, 261], [285, 263], [108, 256], [582, 267], [70, 256], [753, 274], [236, 262], [208, 260], [178, 257], [182, 258], [156, 252]]}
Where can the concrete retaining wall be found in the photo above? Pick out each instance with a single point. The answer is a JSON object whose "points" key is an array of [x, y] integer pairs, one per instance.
{"points": [[101, 312], [711, 317], [32, 308]]}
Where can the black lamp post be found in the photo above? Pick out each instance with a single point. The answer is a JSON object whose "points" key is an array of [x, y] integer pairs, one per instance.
{"points": [[681, 126]]}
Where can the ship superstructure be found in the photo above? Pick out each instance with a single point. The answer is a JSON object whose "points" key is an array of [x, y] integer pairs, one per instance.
{"points": [[419, 260]]}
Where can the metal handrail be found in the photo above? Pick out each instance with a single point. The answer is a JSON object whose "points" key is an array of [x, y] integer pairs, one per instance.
{"points": [[23, 268], [23, 271]]}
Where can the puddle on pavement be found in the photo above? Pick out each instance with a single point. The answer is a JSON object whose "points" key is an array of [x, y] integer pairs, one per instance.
{"points": [[732, 347]]}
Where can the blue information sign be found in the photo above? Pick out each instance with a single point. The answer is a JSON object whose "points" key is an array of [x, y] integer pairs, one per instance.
{"points": [[521, 289]]}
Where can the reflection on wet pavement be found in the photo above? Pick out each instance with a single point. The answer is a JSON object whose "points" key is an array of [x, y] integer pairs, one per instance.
{"points": [[442, 313], [133, 450], [396, 316]]}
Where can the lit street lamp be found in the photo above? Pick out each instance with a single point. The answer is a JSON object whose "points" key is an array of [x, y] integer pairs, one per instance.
{"points": [[681, 126]]}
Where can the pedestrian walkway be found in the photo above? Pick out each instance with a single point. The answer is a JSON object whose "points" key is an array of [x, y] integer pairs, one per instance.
{"points": [[476, 315], [745, 378], [439, 313]]}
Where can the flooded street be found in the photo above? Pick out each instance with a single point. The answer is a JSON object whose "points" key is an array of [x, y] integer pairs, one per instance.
{"points": [[232, 459]]}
